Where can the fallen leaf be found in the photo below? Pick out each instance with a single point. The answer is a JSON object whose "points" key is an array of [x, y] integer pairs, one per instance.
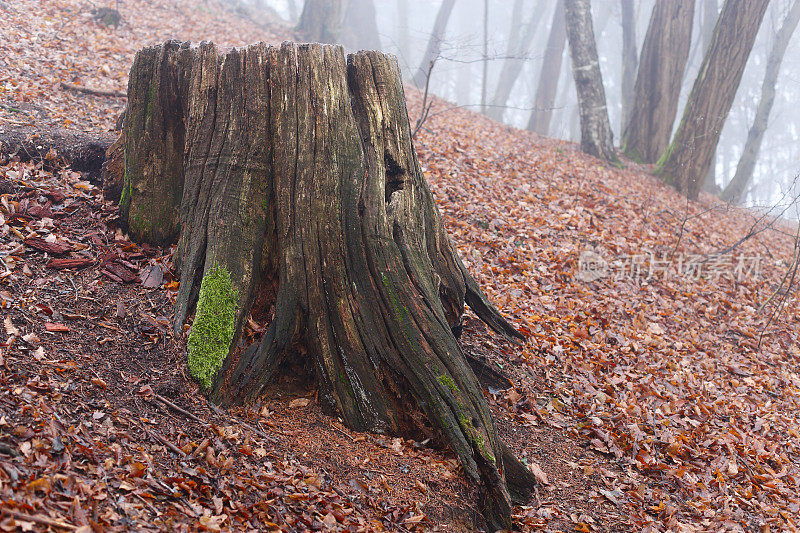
{"points": [[329, 521], [299, 402], [397, 446], [11, 330], [152, 277], [31, 338], [538, 472], [613, 496]]}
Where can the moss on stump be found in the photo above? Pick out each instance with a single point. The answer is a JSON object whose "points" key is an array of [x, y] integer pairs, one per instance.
{"points": [[213, 327]]}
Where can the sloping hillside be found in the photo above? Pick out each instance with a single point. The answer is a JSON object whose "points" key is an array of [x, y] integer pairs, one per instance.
{"points": [[667, 365], [653, 389], [45, 43]]}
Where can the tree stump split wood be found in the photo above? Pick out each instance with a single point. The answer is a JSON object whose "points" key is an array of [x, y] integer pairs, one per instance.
{"points": [[288, 178]]}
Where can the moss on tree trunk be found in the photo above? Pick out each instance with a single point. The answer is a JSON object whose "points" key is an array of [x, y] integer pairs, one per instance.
{"points": [[688, 157], [300, 191]]}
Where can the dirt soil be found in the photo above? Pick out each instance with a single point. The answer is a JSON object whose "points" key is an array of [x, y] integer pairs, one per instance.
{"points": [[88, 440]]}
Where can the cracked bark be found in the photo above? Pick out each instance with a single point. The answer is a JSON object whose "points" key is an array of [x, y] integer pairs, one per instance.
{"points": [[687, 159], [298, 177], [596, 136], [658, 81]]}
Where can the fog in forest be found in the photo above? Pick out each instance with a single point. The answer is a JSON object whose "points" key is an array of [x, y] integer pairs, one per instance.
{"points": [[492, 54]]}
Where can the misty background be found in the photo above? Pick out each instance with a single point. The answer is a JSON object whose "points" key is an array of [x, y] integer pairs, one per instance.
{"points": [[488, 33]]}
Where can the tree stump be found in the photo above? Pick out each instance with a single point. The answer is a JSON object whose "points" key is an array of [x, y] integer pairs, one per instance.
{"points": [[288, 176]]}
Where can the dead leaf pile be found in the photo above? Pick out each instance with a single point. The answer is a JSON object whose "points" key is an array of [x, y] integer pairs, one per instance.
{"points": [[662, 372], [46, 43]]}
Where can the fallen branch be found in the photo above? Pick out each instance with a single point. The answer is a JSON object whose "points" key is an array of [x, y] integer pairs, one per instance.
{"points": [[62, 263], [162, 440], [242, 423], [93, 91], [8, 450], [39, 520], [56, 148], [179, 409]]}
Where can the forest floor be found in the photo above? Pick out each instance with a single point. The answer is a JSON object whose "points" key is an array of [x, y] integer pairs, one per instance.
{"points": [[654, 392]]}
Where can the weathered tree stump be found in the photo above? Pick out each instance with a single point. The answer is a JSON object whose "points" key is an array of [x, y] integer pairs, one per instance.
{"points": [[113, 171], [290, 177]]}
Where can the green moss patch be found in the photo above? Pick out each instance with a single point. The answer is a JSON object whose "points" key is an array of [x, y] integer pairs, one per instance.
{"points": [[476, 438], [447, 381], [213, 327]]}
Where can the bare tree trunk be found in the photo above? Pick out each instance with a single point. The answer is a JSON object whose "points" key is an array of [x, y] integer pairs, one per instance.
{"points": [[325, 218], [630, 59], [709, 15], [321, 21], [566, 102], [350, 23], [402, 26], [512, 46], [515, 30], [465, 79], [485, 78], [542, 113], [596, 136], [689, 155], [292, 5], [434, 43], [464, 82], [603, 12], [360, 29], [514, 61], [735, 190], [658, 83]]}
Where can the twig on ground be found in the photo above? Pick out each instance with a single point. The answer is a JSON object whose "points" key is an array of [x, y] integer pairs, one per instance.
{"points": [[342, 432], [179, 409], [74, 288], [163, 441], [147, 504], [8, 450], [39, 519], [242, 423], [280, 515], [93, 91], [377, 471]]}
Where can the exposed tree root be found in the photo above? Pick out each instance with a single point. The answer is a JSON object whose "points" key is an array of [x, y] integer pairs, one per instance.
{"points": [[83, 152]]}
